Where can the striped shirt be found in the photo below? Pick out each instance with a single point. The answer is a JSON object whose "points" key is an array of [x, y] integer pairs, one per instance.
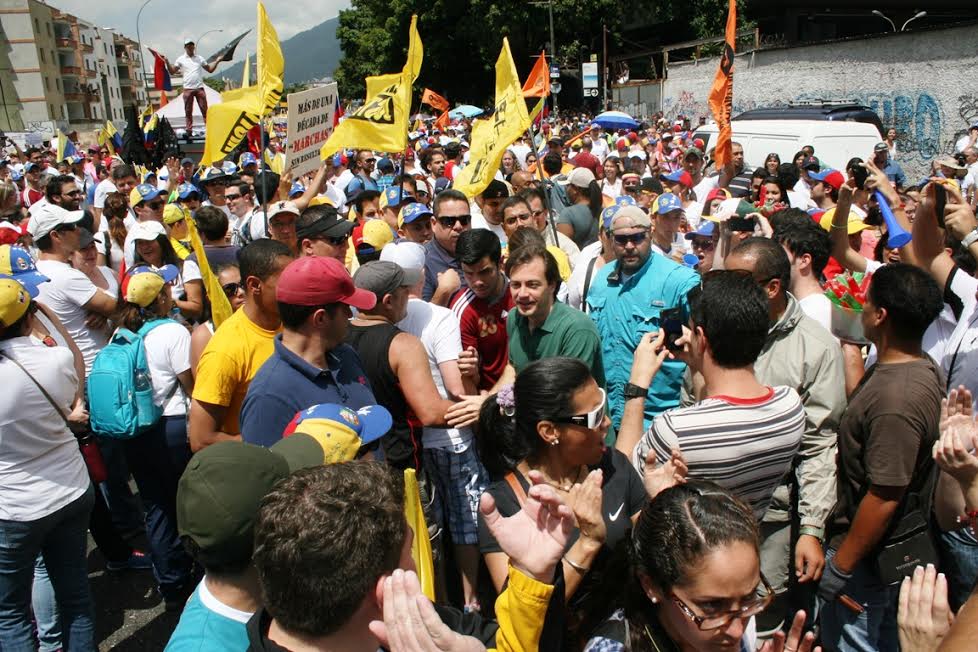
{"points": [[744, 445]]}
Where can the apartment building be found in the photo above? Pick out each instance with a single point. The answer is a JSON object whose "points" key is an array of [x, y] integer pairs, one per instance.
{"points": [[59, 68]]}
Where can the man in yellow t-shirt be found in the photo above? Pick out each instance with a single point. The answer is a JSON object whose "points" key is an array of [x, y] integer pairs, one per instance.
{"points": [[239, 347]]}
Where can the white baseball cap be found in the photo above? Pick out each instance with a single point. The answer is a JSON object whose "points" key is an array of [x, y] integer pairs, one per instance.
{"points": [[149, 230], [49, 217], [409, 255]]}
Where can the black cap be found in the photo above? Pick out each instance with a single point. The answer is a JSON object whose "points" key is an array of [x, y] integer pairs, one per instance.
{"points": [[495, 190], [812, 163], [326, 222], [651, 184]]}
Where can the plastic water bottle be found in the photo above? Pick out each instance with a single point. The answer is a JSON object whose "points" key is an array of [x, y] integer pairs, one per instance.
{"points": [[143, 380]]}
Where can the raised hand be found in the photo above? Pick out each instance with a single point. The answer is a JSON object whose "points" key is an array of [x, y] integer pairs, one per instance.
{"points": [[585, 500], [658, 479], [794, 641], [535, 537], [923, 615]]}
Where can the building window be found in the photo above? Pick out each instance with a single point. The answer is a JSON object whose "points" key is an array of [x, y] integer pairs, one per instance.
{"points": [[47, 84], [37, 27], [48, 25], [41, 53], [57, 82], [52, 113]]}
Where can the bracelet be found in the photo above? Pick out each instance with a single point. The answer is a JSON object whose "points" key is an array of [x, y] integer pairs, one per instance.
{"points": [[580, 569], [837, 227], [812, 531], [969, 518]]}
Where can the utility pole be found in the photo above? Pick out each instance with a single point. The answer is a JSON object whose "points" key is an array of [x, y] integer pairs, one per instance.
{"points": [[604, 67], [553, 43]]}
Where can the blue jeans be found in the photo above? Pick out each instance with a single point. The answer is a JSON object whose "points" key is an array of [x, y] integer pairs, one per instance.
{"points": [[873, 630], [45, 606], [175, 428], [959, 563], [61, 539], [127, 513], [149, 462]]}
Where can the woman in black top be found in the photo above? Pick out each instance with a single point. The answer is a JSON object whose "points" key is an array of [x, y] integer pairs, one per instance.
{"points": [[553, 421]]}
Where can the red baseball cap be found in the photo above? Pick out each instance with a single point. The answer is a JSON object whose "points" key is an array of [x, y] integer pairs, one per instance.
{"points": [[317, 281]]}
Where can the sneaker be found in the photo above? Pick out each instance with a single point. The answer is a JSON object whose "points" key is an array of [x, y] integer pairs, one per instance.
{"points": [[138, 560]]}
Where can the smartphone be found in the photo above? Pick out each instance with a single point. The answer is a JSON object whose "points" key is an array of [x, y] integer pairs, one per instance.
{"points": [[672, 324], [859, 173], [940, 202]]}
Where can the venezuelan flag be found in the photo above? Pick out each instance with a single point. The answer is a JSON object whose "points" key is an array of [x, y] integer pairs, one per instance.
{"points": [[66, 148]]}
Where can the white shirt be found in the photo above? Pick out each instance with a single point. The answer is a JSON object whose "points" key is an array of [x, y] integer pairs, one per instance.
{"points": [[705, 187], [818, 307], [963, 142], [599, 147], [960, 359], [41, 469], [575, 284], [192, 70], [479, 221], [102, 191], [438, 330], [168, 354], [65, 295], [613, 190]]}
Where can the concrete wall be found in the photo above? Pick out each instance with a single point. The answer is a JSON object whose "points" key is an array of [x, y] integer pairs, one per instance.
{"points": [[923, 83]]}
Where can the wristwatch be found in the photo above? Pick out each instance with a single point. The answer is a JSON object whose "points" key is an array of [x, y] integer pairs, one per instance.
{"points": [[634, 391], [970, 239]]}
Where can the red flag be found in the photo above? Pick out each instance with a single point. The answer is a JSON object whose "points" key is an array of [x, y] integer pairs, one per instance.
{"points": [[721, 95], [434, 100], [442, 122], [339, 112], [538, 83]]}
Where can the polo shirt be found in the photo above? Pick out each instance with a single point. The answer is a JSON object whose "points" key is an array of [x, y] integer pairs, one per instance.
{"points": [[626, 309], [287, 384], [565, 332], [208, 624], [437, 260]]}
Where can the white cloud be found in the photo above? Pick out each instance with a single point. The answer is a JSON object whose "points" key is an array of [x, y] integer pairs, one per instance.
{"points": [[164, 24]]}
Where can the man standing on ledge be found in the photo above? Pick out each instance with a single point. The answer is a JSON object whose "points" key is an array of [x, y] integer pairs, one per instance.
{"points": [[191, 67]]}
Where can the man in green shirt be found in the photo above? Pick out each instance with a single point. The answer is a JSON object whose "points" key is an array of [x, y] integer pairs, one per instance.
{"points": [[542, 327]]}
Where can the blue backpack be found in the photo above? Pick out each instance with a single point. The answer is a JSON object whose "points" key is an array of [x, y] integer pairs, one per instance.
{"points": [[120, 389]]}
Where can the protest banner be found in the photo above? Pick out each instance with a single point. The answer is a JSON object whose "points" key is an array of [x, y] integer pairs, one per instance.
{"points": [[721, 94], [311, 116]]}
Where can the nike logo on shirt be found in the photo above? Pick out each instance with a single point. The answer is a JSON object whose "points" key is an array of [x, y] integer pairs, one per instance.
{"points": [[614, 517]]}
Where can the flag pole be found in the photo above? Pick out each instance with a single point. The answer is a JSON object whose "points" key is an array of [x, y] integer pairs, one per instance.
{"points": [[261, 157], [546, 194]]}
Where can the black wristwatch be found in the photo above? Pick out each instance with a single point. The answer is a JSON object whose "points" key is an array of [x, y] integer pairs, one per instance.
{"points": [[634, 391]]}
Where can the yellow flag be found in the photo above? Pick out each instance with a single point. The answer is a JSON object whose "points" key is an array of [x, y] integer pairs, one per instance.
{"points": [[220, 306], [228, 122], [491, 136], [421, 546], [271, 63], [381, 123], [246, 74]]}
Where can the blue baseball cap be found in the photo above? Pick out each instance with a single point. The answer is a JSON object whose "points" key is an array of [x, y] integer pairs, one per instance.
{"points": [[15, 175], [143, 192], [16, 263], [414, 212], [247, 159], [705, 230], [669, 202], [607, 215], [297, 189], [624, 200], [229, 167], [339, 428], [184, 190], [29, 166], [396, 196]]}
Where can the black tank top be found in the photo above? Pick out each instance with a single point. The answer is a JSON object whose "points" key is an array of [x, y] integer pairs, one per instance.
{"points": [[402, 445]]}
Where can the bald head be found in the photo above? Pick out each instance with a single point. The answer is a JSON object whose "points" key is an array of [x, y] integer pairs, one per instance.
{"points": [[520, 180]]}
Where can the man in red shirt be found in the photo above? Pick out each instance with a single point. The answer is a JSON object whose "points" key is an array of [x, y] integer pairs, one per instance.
{"points": [[482, 307]]}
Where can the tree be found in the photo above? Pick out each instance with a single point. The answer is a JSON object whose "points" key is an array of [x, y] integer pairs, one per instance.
{"points": [[217, 83]]}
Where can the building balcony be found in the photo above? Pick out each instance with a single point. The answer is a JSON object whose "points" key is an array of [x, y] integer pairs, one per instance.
{"points": [[88, 48], [92, 74], [125, 82], [71, 71], [74, 97], [66, 43]]}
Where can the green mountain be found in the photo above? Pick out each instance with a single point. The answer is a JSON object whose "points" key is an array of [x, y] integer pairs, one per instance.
{"points": [[312, 54]]}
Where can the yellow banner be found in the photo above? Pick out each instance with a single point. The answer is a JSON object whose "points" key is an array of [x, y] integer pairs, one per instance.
{"points": [[271, 63], [220, 306], [421, 546], [381, 124], [228, 122], [246, 73], [491, 136]]}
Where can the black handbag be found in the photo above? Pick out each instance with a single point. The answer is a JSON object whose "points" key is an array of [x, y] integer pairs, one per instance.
{"points": [[910, 542]]}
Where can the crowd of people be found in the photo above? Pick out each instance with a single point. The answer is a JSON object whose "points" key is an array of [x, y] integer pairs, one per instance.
{"points": [[638, 419]]}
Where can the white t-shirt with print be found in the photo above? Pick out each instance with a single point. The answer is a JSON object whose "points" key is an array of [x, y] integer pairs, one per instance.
{"points": [[67, 292]]}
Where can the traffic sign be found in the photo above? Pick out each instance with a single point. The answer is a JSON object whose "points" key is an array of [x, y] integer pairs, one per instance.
{"points": [[590, 92], [555, 72]]}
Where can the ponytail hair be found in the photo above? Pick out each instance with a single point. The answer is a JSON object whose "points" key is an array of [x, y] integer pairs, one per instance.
{"points": [[595, 200], [543, 391]]}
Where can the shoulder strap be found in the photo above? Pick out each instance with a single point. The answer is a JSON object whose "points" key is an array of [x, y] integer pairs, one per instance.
{"points": [[50, 400], [517, 488], [587, 282]]}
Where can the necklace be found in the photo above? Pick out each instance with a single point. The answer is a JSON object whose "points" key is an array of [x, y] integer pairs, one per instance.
{"points": [[564, 487]]}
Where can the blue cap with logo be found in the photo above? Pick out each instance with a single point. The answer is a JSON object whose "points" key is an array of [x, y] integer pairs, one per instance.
{"points": [[414, 212], [705, 230], [339, 426], [669, 202], [247, 159], [296, 190], [396, 196], [184, 190]]}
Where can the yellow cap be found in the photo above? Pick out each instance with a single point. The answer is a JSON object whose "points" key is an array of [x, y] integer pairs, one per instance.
{"points": [[14, 301], [854, 223], [173, 213]]}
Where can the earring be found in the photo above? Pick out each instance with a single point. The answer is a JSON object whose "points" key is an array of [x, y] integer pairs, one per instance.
{"points": [[655, 600], [554, 442]]}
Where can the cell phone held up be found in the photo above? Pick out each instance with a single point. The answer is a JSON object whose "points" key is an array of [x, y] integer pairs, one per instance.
{"points": [[672, 325], [859, 173], [940, 202]]}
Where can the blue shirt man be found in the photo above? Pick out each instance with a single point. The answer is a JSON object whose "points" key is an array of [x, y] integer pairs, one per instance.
{"points": [[626, 300], [889, 167]]}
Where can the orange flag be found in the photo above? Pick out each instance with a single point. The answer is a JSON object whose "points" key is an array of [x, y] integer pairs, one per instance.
{"points": [[721, 95], [538, 83], [442, 121], [163, 99], [434, 100]]}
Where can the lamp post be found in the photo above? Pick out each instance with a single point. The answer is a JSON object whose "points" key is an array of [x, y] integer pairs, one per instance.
{"points": [[553, 46], [139, 41], [201, 37], [880, 14], [919, 14], [877, 12]]}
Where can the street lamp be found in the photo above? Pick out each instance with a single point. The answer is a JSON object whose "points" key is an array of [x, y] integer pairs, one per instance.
{"points": [[553, 47], [201, 37], [877, 12], [919, 14], [139, 41]]}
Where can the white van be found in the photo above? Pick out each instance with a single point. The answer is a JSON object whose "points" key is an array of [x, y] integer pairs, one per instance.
{"points": [[837, 132]]}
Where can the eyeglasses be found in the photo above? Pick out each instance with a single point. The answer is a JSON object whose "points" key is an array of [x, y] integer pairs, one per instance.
{"points": [[538, 213], [156, 205], [370, 160], [751, 608], [448, 221], [622, 239], [703, 243], [231, 197], [335, 240], [590, 420], [231, 289]]}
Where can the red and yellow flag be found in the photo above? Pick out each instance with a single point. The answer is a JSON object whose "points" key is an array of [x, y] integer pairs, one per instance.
{"points": [[538, 83], [721, 95], [434, 100]]}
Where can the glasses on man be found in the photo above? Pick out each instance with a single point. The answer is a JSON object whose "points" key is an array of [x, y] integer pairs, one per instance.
{"points": [[622, 239], [335, 240], [232, 289], [155, 206], [703, 244], [73, 193], [232, 197], [752, 607], [448, 221], [590, 420]]}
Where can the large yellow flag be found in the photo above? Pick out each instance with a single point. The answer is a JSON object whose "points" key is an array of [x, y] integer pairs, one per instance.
{"points": [[491, 136], [246, 73], [381, 123], [421, 546], [271, 63], [220, 306]]}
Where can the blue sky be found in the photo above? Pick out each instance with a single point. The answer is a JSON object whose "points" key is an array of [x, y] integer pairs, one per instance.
{"points": [[164, 24]]}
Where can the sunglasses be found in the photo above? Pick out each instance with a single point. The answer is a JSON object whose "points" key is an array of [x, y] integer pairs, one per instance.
{"points": [[231, 289], [449, 221], [590, 420], [156, 205], [231, 197], [635, 238], [703, 243], [335, 240]]}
